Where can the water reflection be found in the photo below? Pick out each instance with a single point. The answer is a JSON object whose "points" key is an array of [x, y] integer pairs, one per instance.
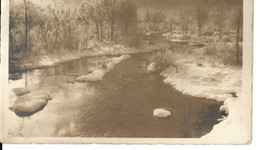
{"points": [[120, 105]]}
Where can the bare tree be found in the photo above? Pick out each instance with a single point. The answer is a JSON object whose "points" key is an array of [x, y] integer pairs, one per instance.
{"points": [[110, 8], [147, 20], [83, 18], [184, 14], [201, 16], [127, 22], [96, 14], [220, 16], [46, 25], [171, 23], [58, 23], [26, 25], [239, 20], [220, 23], [157, 19]]}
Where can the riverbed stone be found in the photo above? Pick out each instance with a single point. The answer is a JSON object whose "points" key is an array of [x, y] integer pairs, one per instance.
{"points": [[161, 113]]}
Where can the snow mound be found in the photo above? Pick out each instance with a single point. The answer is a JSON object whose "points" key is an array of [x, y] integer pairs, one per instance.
{"points": [[231, 126], [98, 74], [205, 82], [224, 110], [21, 91], [27, 108], [161, 113], [45, 60], [148, 33], [151, 67], [30, 103]]}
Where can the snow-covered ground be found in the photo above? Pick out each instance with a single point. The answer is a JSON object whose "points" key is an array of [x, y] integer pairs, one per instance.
{"points": [[198, 75], [16, 122], [206, 77], [94, 49], [192, 38], [174, 37], [99, 73]]}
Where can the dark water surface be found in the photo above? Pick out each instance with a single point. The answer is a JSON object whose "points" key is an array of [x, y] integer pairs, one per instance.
{"points": [[121, 105]]}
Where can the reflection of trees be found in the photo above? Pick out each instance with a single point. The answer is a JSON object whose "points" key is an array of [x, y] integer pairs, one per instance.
{"points": [[73, 68]]}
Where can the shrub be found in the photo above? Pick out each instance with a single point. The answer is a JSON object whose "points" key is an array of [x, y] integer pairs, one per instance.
{"points": [[162, 59], [210, 50], [208, 33], [102, 61], [224, 51], [227, 39]]}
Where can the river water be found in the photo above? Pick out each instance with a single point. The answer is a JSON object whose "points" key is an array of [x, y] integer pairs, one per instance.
{"points": [[121, 105]]}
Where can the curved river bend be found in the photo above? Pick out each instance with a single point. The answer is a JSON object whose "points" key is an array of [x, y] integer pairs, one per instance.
{"points": [[121, 105]]}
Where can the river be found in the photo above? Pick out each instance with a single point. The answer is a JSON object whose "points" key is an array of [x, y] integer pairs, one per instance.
{"points": [[121, 105]]}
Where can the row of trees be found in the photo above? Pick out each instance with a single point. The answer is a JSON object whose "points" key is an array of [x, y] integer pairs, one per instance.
{"points": [[155, 20], [200, 18], [115, 19], [36, 28]]}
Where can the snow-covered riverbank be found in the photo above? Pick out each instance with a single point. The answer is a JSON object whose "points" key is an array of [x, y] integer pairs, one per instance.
{"points": [[206, 77], [96, 49], [99, 73], [16, 122]]}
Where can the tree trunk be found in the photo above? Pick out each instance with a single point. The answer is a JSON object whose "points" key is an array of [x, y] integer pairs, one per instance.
{"points": [[29, 35], [10, 42], [112, 29], [86, 42], [45, 40], [238, 33], [26, 27], [220, 24], [29, 38], [97, 30], [108, 34], [101, 33]]}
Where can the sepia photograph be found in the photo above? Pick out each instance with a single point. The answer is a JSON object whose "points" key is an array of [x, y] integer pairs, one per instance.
{"points": [[126, 71]]}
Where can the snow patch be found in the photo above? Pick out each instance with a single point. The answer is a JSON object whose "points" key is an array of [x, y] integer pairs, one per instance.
{"points": [[109, 49], [96, 75], [148, 33], [99, 73], [224, 110], [205, 82], [151, 67], [45, 60], [161, 113]]}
